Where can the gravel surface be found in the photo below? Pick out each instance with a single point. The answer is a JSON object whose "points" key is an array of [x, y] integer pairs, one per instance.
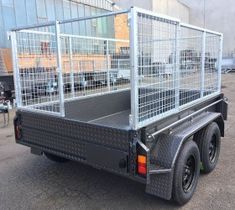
{"points": [[33, 182]]}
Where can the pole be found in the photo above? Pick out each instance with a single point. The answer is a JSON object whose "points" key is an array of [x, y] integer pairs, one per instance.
{"points": [[71, 67], [108, 65], [59, 69], [203, 56]]}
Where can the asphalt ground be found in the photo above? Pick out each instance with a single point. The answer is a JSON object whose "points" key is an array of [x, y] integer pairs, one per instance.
{"points": [[34, 182]]}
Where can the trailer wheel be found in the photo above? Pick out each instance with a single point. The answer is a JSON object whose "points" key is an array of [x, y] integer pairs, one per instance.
{"points": [[209, 140], [186, 173], [55, 158]]}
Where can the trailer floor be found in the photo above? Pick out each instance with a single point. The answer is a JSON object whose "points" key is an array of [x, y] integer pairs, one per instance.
{"points": [[118, 120], [32, 182]]}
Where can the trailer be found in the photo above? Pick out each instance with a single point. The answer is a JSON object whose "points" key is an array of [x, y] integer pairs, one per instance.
{"points": [[159, 131]]}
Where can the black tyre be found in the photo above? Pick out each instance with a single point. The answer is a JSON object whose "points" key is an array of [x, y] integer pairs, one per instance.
{"points": [[187, 170], [55, 158], [209, 140]]}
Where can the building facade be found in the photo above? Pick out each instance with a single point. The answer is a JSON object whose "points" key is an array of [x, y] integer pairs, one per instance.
{"points": [[16, 13]]}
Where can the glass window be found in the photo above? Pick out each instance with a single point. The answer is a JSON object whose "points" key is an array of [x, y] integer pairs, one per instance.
{"points": [[110, 27], [2, 36], [9, 18], [66, 7], [59, 13], [100, 23], [41, 9], [74, 11], [82, 25], [88, 22], [74, 14], [7, 3], [59, 10], [20, 12], [31, 12], [93, 22], [104, 26], [9, 22], [50, 7], [67, 16], [1, 17]]}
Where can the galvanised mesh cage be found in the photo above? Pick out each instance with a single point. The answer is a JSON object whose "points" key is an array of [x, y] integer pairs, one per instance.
{"points": [[166, 65], [175, 65], [62, 61], [36, 69], [157, 77]]}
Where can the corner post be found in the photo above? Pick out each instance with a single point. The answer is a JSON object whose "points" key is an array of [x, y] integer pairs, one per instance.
{"points": [[134, 118], [59, 68], [16, 69], [108, 65], [177, 66], [220, 61]]}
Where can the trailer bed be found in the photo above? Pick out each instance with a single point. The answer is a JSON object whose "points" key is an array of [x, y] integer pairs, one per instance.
{"points": [[118, 120], [111, 110]]}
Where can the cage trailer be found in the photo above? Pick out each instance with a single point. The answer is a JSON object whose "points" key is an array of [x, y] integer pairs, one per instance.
{"points": [[159, 131]]}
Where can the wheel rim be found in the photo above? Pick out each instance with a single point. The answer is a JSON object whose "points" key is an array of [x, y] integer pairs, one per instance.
{"points": [[212, 149], [188, 174]]}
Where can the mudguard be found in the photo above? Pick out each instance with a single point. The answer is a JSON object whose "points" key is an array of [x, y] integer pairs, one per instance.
{"points": [[165, 151]]}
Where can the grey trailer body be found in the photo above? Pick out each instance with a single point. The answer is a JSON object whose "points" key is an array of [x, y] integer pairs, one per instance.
{"points": [[144, 124]]}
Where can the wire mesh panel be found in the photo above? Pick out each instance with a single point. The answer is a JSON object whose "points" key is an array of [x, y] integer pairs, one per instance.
{"points": [[190, 64], [156, 66], [168, 65], [37, 75], [212, 57], [99, 62], [174, 66], [94, 65], [58, 62]]}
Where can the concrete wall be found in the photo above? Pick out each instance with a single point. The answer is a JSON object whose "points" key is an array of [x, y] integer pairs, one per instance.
{"points": [[219, 17], [172, 8], [125, 4]]}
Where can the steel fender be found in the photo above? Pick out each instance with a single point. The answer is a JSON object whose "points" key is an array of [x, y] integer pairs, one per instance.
{"points": [[167, 149]]}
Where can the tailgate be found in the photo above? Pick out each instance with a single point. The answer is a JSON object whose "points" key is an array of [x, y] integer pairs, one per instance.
{"points": [[102, 147]]}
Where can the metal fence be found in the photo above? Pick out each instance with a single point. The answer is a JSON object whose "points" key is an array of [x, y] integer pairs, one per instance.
{"points": [[167, 65]]}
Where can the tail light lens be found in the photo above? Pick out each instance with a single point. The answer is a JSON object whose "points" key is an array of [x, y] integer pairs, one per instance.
{"points": [[17, 127], [142, 165], [17, 132]]}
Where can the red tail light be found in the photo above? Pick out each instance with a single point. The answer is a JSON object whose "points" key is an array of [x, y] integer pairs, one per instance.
{"points": [[142, 165], [17, 127], [17, 132]]}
